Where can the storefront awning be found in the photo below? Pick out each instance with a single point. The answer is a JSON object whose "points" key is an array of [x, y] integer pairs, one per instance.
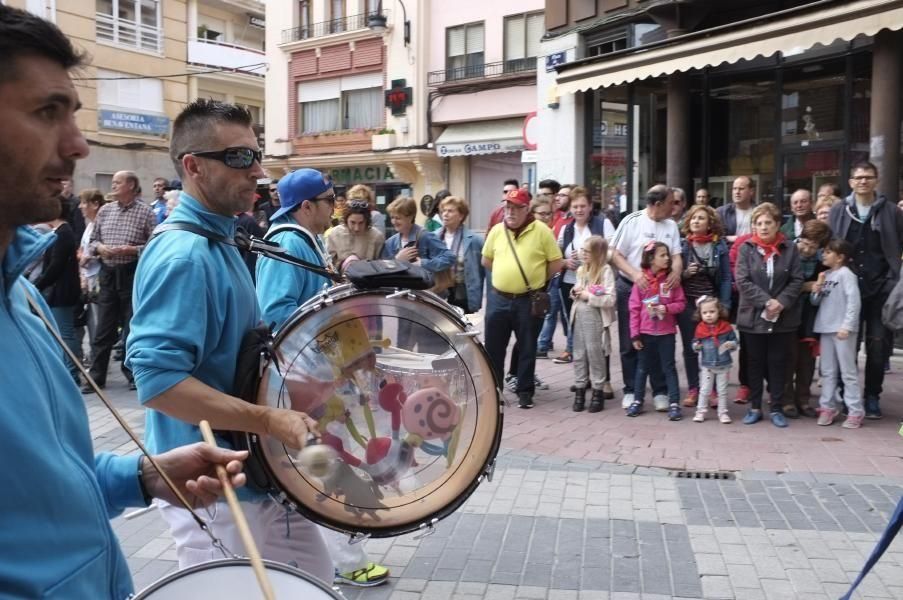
{"points": [[791, 35], [482, 137]]}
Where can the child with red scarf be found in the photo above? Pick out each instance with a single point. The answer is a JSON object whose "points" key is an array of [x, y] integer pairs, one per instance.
{"points": [[653, 324], [714, 340]]}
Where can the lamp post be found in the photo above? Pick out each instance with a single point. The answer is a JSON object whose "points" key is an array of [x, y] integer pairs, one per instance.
{"points": [[376, 22]]}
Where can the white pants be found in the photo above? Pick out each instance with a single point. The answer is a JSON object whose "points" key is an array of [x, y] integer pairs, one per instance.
{"points": [[840, 355], [706, 377], [346, 557], [281, 536]]}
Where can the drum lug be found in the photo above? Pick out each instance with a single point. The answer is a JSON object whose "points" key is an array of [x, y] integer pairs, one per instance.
{"points": [[489, 472], [426, 529], [400, 293], [357, 538]]}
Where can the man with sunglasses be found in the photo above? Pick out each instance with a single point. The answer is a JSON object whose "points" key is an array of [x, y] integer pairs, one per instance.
{"points": [[194, 304], [308, 199]]}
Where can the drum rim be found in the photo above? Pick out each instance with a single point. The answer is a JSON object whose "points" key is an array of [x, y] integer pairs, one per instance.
{"points": [[227, 562], [388, 531]]}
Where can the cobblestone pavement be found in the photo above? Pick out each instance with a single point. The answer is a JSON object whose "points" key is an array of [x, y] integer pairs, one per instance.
{"points": [[601, 515]]}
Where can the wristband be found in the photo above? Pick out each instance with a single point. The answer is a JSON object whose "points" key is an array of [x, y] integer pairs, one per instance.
{"points": [[144, 493]]}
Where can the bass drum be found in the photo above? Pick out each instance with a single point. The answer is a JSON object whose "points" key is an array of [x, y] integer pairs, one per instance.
{"points": [[408, 408], [234, 578]]}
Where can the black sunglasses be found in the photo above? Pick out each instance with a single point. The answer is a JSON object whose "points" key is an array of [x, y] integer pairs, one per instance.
{"points": [[235, 158]]}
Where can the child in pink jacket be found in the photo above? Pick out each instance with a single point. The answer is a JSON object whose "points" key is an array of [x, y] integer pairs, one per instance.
{"points": [[653, 324]]}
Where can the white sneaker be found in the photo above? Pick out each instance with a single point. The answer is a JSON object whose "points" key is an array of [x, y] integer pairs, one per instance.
{"points": [[725, 418], [626, 401], [661, 403], [699, 417]]}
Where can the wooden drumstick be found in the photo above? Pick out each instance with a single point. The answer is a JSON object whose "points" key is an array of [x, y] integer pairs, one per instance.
{"points": [[243, 530]]}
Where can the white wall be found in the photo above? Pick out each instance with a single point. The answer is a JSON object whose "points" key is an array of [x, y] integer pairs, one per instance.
{"points": [[560, 151], [279, 16]]}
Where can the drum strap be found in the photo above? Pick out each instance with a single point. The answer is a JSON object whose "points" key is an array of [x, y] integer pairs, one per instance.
{"points": [[36, 309], [249, 243]]}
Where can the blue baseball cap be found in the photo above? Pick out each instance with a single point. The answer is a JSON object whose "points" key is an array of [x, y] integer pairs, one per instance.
{"points": [[298, 186]]}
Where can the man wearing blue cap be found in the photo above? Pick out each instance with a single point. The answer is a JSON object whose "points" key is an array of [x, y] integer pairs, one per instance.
{"points": [[307, 201]]}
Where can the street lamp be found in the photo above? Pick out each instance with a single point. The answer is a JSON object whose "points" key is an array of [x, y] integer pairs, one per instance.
{"points": [[376, 22]]}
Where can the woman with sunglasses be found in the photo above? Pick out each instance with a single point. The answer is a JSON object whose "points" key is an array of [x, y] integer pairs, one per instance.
{"points": [[354, 238]]}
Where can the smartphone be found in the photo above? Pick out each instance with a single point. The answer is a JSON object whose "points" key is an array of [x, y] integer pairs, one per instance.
{"points": [[411, 244]]}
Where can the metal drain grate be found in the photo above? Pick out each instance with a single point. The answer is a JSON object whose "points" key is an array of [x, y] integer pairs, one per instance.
{"points": [[722, 475]]}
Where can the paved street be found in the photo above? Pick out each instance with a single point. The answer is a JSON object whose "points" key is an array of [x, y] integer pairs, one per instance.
{"points": [[588, 507]]}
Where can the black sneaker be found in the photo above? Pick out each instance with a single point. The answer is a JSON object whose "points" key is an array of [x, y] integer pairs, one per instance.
{"points": [[674, 412], [542, 354], [872, 410], [634, 409], [525, 400]]}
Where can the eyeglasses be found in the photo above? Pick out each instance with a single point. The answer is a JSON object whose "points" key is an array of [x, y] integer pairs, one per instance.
{"points": [[863, 178], [560, 195], [541, 213], [237, 157]]}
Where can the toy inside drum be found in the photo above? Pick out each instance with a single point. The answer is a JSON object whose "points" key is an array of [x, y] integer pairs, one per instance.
{"points": [[234, 578], [407, 408]]}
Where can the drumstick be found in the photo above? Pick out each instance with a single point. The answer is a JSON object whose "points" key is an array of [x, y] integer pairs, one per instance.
{"points": [[243, 530]]}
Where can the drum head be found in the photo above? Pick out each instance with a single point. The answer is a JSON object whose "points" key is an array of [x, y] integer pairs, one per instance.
{"points": [[406, 403], [234, 578]]}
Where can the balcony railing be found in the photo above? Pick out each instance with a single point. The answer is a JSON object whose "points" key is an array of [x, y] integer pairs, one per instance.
{"points": [[128, 33], [209, 53], [483, 71], [315, 30]]}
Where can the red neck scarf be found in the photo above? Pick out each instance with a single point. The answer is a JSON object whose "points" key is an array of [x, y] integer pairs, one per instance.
{"points": [[655, 280], [768, 249], [704, 330], [702, 238]]}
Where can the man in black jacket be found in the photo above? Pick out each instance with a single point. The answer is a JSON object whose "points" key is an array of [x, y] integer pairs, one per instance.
{"points": [[874, 226]]}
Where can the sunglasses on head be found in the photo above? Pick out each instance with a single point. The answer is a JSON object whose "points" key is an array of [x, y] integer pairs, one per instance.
{"points": [[359, 204], [235, 158]]}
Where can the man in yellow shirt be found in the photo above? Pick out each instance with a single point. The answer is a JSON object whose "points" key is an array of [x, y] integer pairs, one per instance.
{"points": [[508, 305]]}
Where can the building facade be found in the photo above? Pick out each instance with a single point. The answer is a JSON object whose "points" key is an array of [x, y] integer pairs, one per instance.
{"points": [[148, 58], [695, 93], [482, 81]]}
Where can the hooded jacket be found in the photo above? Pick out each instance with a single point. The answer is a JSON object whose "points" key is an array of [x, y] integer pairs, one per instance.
{"points": [[886, 220], [55, 536]]}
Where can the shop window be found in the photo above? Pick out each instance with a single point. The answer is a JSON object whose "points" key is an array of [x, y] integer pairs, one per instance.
{"points": [[812, 103], [465, 55], [742, 126], [130, 23], [522, 36]]}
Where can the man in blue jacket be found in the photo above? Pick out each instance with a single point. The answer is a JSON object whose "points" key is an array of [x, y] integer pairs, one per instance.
{"points": [[58, 497], [307, 200], [194, 301]]}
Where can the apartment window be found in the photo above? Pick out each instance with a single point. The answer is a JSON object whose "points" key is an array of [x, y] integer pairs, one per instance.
{"points": [[336, 16], [372, 6], [522, 35], [353, 102], [465, 53], [606, 42], [130, 23], [135, 95], [304, 19]]}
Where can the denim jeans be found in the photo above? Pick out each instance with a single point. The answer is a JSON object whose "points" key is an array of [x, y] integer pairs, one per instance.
{"points": [[65, 322], [875, 343], [625, 344], [657, 350], [556, 311], [505, 316], [687, 326], [566, 303]]}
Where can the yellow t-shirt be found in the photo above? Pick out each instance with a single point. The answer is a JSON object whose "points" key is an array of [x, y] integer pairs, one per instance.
{"points": [[536, 248]]}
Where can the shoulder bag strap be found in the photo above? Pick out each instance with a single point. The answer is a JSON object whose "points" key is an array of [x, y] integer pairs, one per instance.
{"points": [[516, 259]]}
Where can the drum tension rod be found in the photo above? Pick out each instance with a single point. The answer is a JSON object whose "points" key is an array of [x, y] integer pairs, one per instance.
{"points": [[489, 472], [401, 293], [357, 538], [426, 529]]}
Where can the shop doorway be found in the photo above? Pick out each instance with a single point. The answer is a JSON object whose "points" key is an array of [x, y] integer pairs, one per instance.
{"points": [[809, 169]]}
